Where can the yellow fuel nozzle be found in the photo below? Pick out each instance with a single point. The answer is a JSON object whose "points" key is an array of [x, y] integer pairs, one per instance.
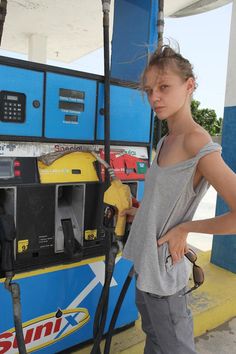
{"points": [[119, 196]]}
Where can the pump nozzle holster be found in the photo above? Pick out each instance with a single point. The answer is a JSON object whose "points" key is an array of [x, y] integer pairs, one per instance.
{"points": [[119, 196], [7, 236]]}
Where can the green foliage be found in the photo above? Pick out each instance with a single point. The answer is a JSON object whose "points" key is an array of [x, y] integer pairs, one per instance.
{"points": [[206, 117]]}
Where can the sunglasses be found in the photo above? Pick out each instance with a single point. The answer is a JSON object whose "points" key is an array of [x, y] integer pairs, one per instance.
{"points": [[198, 274]]}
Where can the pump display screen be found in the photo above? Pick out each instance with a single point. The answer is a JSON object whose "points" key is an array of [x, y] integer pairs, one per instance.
{"points": [[71, 118], [6, 169], [12, 98], [72, 94], [71, 106]]}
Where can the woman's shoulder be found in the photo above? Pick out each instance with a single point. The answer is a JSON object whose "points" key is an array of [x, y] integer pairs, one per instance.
{"points": [[195, 140]]}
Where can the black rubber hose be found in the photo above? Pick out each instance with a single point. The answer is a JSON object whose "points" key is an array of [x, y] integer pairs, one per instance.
{"points": [[100, 315], [101, 320], [101, 312], [106, 87], [101, 308], [15, 292], [117, 310]]}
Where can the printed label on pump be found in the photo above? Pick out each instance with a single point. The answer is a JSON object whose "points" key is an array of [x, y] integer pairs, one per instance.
{"points": [[90, 235], [29, 149], [127, 166], [22, 246], [45, 330]]}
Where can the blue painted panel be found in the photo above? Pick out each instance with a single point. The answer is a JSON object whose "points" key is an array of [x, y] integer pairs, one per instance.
{"points": [[31, 84], [75, 292], [224, 247], [130, 115], [140, 190], [55, 125], [134, 36]]}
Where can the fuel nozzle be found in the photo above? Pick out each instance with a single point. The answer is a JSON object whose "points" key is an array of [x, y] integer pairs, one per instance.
{"points": [[118, 195]]}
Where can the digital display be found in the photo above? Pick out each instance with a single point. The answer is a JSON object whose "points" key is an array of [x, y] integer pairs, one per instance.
{"points": [[6, 169], [74, 94], [12, 98], [71, 106], [71, 118]]}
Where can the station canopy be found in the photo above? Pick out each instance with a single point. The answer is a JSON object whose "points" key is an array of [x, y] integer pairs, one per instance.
{"points": [[73, 28]]}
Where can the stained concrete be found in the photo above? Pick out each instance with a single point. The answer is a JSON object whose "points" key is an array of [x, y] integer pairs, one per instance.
{"points": [[222, 340]]}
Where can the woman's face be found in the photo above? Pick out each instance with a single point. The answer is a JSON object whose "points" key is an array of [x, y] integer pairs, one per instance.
{"points": [[167, 92]]}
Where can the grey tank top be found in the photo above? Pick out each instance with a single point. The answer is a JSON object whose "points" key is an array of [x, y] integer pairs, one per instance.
{"points": [[169, 199]]}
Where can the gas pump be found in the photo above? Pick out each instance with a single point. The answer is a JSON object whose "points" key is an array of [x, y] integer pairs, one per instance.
{"points": [[58, 208]]}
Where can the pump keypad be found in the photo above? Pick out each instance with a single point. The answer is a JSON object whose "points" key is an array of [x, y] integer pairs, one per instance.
{"points": [[12, 107]]}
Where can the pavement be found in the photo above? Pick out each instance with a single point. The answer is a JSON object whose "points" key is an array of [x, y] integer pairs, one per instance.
{"points": [[213, 304]]}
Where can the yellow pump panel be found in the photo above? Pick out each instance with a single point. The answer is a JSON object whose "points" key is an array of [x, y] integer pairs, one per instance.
{"points": [[73, 167]]}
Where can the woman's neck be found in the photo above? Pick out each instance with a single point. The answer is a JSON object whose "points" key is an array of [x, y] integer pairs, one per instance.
{"points": [[180, 123]]}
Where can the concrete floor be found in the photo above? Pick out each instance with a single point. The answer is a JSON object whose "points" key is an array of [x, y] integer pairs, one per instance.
{"points": [[222, 340]]}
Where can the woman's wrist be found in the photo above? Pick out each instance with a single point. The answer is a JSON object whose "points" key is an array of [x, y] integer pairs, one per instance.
{"points": [[185, 226]]}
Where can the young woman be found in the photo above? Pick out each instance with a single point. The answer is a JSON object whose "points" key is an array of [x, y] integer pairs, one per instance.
{"points": [[186, 163]]}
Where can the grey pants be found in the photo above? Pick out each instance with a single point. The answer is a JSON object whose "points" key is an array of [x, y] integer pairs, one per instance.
{"points": [[167, 323]]}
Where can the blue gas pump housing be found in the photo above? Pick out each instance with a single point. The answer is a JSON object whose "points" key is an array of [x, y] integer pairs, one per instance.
{"points": [[44, 103]]}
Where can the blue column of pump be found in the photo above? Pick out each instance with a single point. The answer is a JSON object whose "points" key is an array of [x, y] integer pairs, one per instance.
{"points": [[135, 26], [134, 37], [224, 247]]}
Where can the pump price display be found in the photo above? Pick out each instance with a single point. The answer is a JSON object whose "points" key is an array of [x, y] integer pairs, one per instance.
{"points": [[71, 94], [71, 106]]}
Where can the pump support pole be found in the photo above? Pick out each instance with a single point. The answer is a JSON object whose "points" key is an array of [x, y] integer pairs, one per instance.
{"points": [[160, 31]]}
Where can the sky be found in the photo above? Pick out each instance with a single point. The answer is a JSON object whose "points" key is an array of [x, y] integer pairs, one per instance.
{"points": [[203, 39]]}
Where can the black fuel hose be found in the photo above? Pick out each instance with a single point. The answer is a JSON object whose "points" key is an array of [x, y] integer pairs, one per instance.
{"points": [[14, 289], [117, 310], [7, 236], [106, 41], [112, 249], [101, 312]]}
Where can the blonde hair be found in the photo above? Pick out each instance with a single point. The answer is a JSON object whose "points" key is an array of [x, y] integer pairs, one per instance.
{"points": [[166, 57]]}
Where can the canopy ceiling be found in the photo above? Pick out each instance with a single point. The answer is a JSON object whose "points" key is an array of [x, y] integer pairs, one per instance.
{"points": [[73, 28]]}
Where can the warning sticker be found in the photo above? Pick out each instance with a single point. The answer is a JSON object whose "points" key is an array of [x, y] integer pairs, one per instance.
{"points": [[90, 235], [22, 246]]}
